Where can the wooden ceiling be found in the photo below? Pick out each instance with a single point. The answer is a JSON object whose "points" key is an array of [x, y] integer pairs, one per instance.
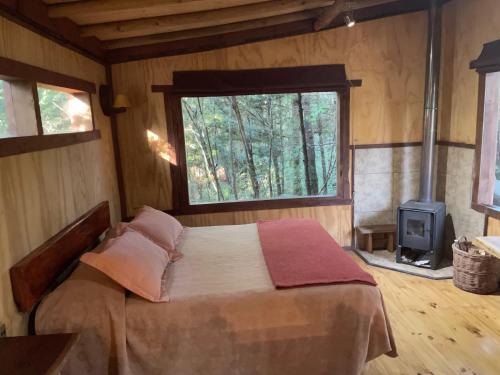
{"points": [[123, 30]]}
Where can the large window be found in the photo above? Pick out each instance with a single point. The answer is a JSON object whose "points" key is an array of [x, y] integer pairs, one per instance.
{"points": [[486, 192], [494, 79], [489, 152], [267, 146], [39, 109], [270, 138], [4, 126]]}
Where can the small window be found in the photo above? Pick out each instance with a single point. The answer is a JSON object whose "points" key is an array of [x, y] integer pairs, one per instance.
{"points": [[266, 146], [64, 110], [42, 109]]}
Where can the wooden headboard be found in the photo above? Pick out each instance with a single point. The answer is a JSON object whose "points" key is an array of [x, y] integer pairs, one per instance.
{"points": [[32, 275]]}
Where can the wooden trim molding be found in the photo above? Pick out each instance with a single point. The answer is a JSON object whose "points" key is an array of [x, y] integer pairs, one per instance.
{"points": [[230, 83], [488, 210], [489, 59], [457, 144], [384, 145], [22, 145], [410, 144], [12, 69], [263, 204], [256, 81]]}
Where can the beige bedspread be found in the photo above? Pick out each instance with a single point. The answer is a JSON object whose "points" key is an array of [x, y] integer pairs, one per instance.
{"points": [[224, 317]]}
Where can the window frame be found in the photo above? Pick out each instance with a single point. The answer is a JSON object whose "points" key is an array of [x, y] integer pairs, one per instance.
{"points": [[300, 83], [487, 62], [11, 71]]}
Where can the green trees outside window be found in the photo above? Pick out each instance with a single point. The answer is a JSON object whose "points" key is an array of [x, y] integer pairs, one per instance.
{"points": [[63, 110], [4, 126], [253, 147]]}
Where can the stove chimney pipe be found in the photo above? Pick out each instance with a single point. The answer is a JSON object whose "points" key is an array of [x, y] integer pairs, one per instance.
{"points": [[431, 102]]}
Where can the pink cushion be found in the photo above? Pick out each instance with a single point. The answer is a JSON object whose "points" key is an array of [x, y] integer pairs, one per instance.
{"points": [[116, 231], [160, 228], [113, 232], [135, 263]]}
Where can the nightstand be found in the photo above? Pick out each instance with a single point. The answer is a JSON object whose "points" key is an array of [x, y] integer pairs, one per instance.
{"points": [[35, 355]]}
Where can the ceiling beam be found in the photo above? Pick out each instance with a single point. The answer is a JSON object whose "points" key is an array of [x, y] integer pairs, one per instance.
{"points": [[155, 25], [214, 30], [33, 14], [103, 11], [50, 2], [179, 47], [329, 14]]}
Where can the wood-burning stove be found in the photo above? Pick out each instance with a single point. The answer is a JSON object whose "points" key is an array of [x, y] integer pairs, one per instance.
{"points": [[421, 223], [420, 233]]}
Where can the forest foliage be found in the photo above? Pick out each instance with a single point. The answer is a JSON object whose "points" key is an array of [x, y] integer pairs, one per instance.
{"points": [[4, 127], [266, 146], [61, 112]]}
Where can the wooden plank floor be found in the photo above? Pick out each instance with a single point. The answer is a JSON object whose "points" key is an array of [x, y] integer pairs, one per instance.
{"points": [[438, 328]]}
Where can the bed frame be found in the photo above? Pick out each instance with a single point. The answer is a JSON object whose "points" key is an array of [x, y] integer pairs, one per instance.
{"points": [[33, 275]]}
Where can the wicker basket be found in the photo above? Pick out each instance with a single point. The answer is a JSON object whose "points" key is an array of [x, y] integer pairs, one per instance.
{"points": [[475, 273]]}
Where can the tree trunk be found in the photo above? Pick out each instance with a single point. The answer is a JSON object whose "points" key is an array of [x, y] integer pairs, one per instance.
{"points": [[297, 177], [248, 148], [304, 143], [234, 184], [209, 167], [213, 166], [277, 176], [282, 157], [311, 147], [322, 151], [270, 121]]}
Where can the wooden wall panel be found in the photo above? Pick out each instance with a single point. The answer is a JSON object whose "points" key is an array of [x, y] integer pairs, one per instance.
{"points": [[336, 219], [387, 54], [493, 226], [467, 25], [42, 192]]}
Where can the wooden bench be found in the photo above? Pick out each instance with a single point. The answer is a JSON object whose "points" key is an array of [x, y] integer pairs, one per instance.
{"points": [[370, 237]]}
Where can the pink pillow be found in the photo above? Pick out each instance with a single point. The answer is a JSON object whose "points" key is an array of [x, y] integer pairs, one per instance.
{"points": [[160, 228], [135, 263], [116, 231]]}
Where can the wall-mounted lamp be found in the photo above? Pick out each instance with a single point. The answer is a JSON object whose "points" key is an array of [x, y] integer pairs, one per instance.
{"points": [[110, 106], [121, 103]]}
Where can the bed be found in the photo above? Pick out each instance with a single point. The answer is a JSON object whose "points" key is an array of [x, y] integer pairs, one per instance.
{"points": [[224, 317]]}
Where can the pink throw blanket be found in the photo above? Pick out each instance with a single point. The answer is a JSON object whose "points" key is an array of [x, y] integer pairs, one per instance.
{"points": [[300, 252]]}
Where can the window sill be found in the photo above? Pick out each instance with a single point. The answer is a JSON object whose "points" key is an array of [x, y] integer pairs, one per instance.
{"points": [[266, 204], [22, 145], [490, 210]]}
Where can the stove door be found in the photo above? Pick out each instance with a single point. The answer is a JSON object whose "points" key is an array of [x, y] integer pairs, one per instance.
{"points": [[416, 231]]}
